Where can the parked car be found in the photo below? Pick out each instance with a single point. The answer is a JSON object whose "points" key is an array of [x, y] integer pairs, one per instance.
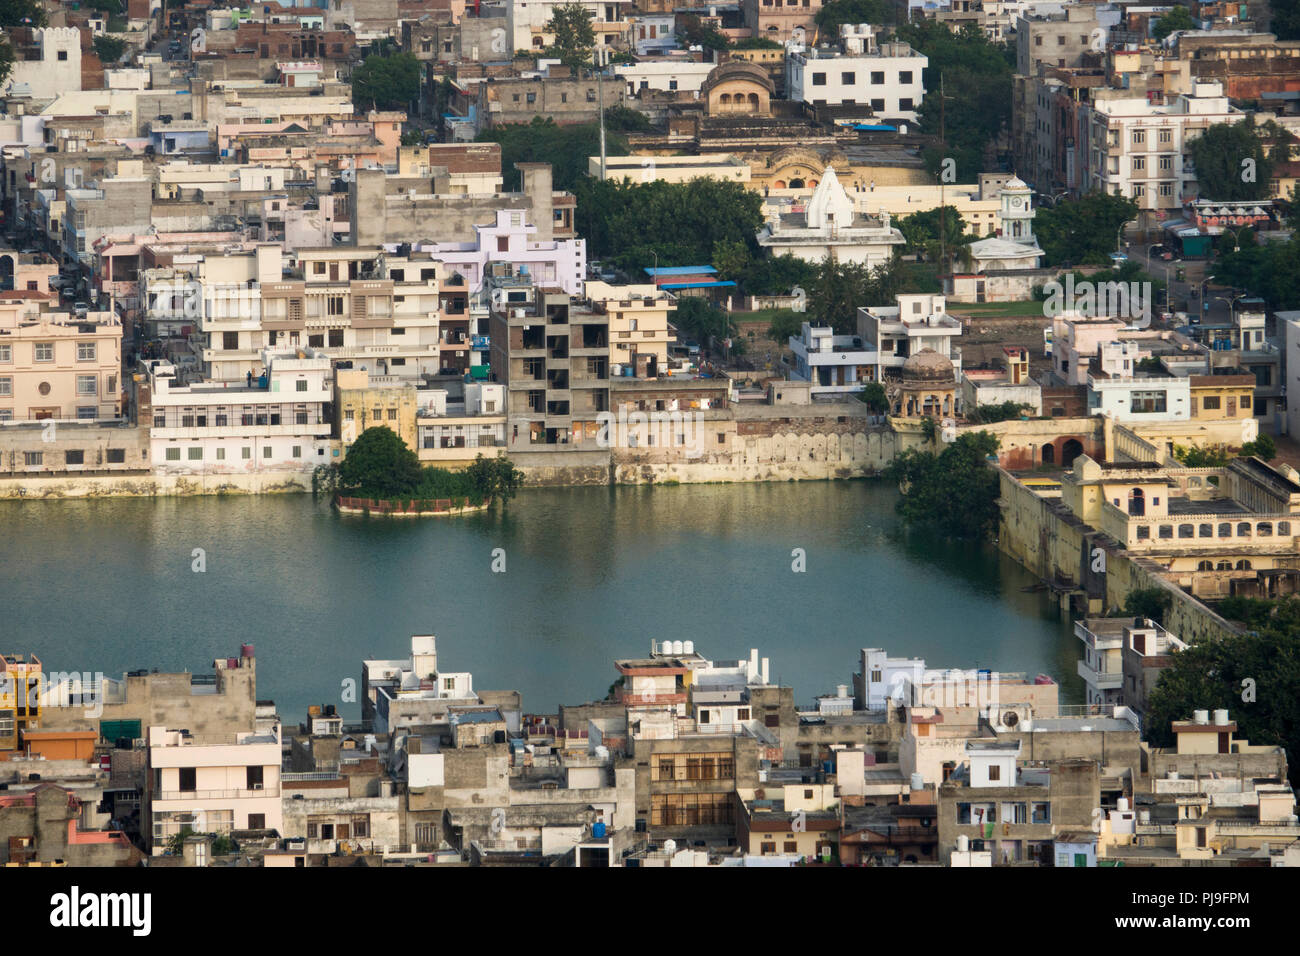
{"points": [[81, 308], [692, 347]]}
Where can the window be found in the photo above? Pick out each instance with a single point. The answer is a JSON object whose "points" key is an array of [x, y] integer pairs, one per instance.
{"points": [[6, 353], [848, 78], [74, 457], [246, 452], [6, 386], [86, 351], [877, 78], [905, 76], [230, 340], [336, 338], [995, 772], [1143, 533], [819, 79], [1139, 137], [187, 779], [297, 451], [1148, 402], [87, 385], [392, 414], [195, 453], [791, 846], [1210, 402], [301, 384], [253, 778], [257, 821], [266, 451], [173, 454], [221, 454], [43, 352], [1139, 163], [334, 305], [115, 456]]}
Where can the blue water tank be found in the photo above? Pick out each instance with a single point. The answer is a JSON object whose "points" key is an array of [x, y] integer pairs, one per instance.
{"points": [[598, 830], [828, 766]]}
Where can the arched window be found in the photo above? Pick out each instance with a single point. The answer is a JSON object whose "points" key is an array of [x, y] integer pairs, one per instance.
{"points": [[1264, 529], [1186, 531], [725, 99], [1243, 565], [1137, 502], [1205, 531], [1205, 566], [1225, 529], [753, 100], [796, 183], [1243, 530]]}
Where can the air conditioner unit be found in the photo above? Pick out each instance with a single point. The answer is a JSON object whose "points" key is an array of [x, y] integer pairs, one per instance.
{"points": [[257, 786], [1009, 718]]}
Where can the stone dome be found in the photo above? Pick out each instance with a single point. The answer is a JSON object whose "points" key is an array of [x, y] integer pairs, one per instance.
{"points": [[928, 367]]}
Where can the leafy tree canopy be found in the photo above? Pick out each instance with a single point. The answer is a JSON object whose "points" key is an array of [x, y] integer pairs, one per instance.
{"points": [[838, 289], [380, 464], [386, 81], [836, 13], [575, 37], [1213, 674], [953, 492], [695, 32], [1083, 231], [680, 223], [1179, 18], [109, 49], [1232, 162], [566, 148]]}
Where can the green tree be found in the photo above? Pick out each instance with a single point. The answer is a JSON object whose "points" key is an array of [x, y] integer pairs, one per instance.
{"points": [[6, 59], [567, 148], [1083, 231], [784, 324], [732, 259], [835, 14], [680, 224], [1285, 19], [694, 32], [953, 492], [1202, 457], [379, 465], [22, 13], [624, 119], [109, 49], [575, 37], [1232, 162], [1179, 18], [839, 288], [756, 43], [495, 477], [922, 231], [1212, 674], [874, 397], [971, 107], [1152, 603], [700, 319], [386, 81], [1262, 447], [778, 275], [999, 412]]}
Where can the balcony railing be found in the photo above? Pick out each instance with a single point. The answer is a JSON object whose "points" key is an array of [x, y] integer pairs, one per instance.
{"points": [[217, 794]]}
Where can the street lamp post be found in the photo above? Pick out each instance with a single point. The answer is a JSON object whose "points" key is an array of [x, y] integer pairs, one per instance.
{"points": [[1168, 287], [1119, 236]]}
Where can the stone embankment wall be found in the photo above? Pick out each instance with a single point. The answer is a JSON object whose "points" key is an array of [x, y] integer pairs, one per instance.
{"points": [[147, 485]]}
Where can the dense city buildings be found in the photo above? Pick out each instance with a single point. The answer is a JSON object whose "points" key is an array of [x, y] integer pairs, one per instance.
{"points": [[564, 329]]}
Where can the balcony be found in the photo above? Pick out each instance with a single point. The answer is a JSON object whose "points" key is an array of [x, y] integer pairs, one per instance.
{"points": [[1101, 680], [244, 794]]}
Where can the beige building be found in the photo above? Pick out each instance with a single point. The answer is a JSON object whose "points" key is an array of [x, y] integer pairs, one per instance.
{"points": [[362, 401], [638, 325], [56, 365]]}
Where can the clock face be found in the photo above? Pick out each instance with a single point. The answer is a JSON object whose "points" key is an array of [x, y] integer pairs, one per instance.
{"points": [[1015, 203]]}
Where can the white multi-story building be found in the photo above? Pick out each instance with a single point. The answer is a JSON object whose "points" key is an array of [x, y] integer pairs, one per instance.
{"points": [[1138, 149], [511, 239], [884, 76], [830, 225], [665, 74], [835, 364], [915, 322], [275, 422], [210, 783], [379, 310]]}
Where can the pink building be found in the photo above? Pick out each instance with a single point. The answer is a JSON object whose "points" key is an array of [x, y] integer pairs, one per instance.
{"points": [[57, 365]]}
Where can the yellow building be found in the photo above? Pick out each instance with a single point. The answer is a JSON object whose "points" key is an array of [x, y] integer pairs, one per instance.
{"points": [[1223, 397], [362, 401], [20, 697], [638, 325]]}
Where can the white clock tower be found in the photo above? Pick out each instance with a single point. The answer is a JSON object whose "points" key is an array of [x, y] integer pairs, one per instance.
{"points": [[1018, 212]]}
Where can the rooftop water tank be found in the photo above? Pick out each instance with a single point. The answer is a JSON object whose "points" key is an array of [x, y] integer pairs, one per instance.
{"points": [[677, 647], [963, 843], [245, 650], [688, 647], [1220, 717], [1201, 716], [918, 781]]}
